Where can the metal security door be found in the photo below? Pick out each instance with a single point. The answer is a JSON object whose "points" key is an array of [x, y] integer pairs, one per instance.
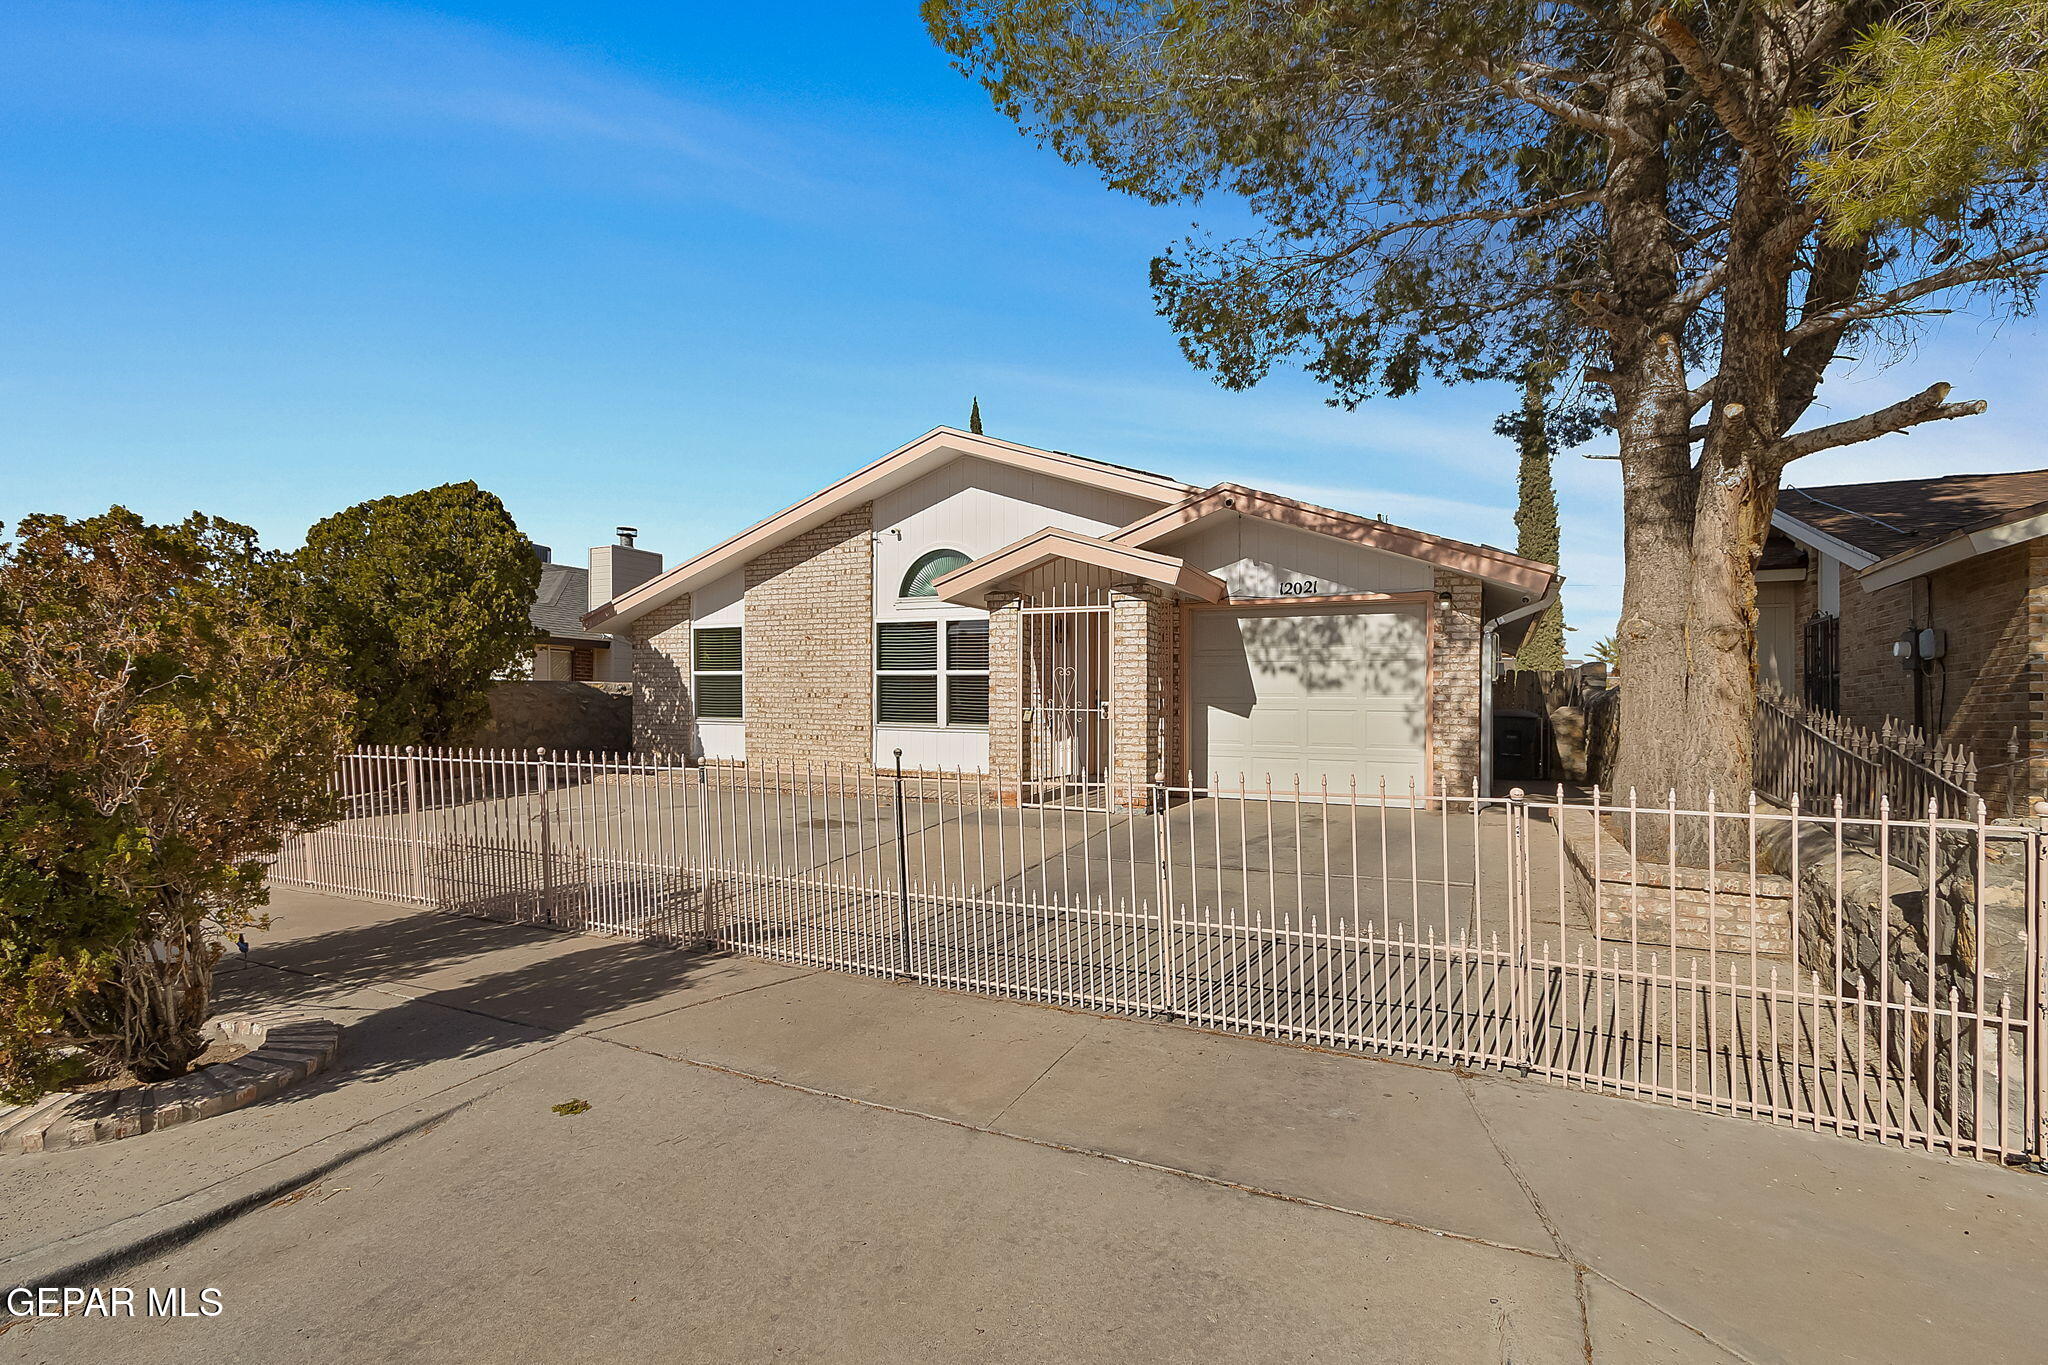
{"points": [[1064, 662]]}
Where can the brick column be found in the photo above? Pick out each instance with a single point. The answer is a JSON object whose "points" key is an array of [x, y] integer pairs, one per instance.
{"points": [[1005, 696], [661, 680], [1141, 646], [1454, 688]]}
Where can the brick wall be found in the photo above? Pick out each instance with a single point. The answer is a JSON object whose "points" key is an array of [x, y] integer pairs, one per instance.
{"points": [[1975, 696], [1454, 693], [1980, 692], [661, 679], [1144, 705], [810, 622]]}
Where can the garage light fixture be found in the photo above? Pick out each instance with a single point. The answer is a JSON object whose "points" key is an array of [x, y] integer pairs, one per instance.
{"points": [[1443, 601]]}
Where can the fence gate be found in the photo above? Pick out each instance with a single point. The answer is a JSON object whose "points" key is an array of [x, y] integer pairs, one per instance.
{"points": [[1064, 664]]}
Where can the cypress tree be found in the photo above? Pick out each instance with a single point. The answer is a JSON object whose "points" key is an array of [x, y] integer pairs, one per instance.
{"points": [[1536, 534], [974, 416]]}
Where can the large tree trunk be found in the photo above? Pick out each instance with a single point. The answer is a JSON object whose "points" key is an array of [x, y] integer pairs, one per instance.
{"points": [[1664, 707], [1695, 530], [1687, 655]]}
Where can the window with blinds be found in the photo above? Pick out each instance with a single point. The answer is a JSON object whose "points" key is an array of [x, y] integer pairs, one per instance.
{"points": [[967, 672], [716, 657], [931, 672]]}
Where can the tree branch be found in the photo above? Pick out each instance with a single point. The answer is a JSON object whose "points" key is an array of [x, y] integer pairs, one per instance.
{"points": [[1499, 215], [1832, 280], [1563, 75], [1929, 405], [1591, 120], [1705, 71], [1696, 293], [1967, 273]]}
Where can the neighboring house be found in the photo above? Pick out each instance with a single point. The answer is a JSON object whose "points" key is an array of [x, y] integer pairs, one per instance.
{"points": [[987, 606], [571, 652], [1918, 600]]}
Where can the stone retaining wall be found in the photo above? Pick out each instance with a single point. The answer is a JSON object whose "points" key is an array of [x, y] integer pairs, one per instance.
{"points": [[557, 715], [1893, 940]]}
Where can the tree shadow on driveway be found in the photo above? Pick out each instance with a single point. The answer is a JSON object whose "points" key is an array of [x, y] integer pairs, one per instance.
{"points": [[418, 989]]}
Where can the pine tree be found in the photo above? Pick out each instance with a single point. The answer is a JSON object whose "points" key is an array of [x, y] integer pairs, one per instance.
{"points": [[1728, 198], [974, 417]]}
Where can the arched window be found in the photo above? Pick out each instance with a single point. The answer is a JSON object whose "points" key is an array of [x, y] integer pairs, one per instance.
{"points": [[928, 569]]}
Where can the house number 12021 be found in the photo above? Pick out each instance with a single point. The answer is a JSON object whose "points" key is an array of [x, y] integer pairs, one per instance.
{"points": [[1298, 587]]}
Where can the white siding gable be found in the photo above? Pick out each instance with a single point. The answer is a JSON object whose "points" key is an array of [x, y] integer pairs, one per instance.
{"points": [[975, 507], [1260, 558]]}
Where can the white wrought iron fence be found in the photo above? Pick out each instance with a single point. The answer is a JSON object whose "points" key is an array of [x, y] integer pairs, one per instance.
{"points": [[1873, 977]]}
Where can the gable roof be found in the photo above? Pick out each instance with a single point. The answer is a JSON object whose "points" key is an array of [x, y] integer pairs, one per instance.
{"points": [[899, 466], [1480, 561], [559, 602], [1885, 519], [969, 583]]}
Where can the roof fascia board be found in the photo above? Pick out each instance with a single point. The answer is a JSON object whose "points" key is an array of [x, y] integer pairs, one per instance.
{"points": [[1903, 568], [2010, 533], [1955, 549], [1497, 566], [1817, 539], [861, 486]]}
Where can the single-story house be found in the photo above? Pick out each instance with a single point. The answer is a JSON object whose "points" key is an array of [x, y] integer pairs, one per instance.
{"points": [[570, 652], [1923, 601], [1078, 627]]}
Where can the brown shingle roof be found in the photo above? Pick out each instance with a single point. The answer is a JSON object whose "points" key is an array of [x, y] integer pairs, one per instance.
{"points": [[1909, 514], [1781, 552]]}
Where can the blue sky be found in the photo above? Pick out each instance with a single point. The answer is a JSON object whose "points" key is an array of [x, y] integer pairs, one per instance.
{"points": [[666, 264]]}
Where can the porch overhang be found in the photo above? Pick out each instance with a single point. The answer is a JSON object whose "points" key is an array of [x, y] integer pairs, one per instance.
{"points": [[970, 584]]}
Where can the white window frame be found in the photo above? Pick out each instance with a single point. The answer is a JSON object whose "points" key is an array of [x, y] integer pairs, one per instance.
{"points": [[942, 672], [740, 673]]}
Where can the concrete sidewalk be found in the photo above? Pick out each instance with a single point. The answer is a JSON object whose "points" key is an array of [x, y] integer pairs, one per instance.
{"points": [[789, 1163]]}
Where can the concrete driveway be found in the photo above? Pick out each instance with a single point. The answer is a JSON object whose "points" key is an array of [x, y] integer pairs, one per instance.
{"points": [[1387, 863], [778, 1163]]}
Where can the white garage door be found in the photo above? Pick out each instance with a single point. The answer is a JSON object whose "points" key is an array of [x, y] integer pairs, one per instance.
{"points": [[1288, 693]]}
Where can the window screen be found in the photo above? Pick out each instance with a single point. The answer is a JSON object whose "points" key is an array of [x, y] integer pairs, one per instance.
{"points": [[716, 658], [931, 672], [967, 672]]}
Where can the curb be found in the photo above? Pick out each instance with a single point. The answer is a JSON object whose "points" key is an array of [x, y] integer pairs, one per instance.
{"points": [[85, 1258], [285, 1048]]}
